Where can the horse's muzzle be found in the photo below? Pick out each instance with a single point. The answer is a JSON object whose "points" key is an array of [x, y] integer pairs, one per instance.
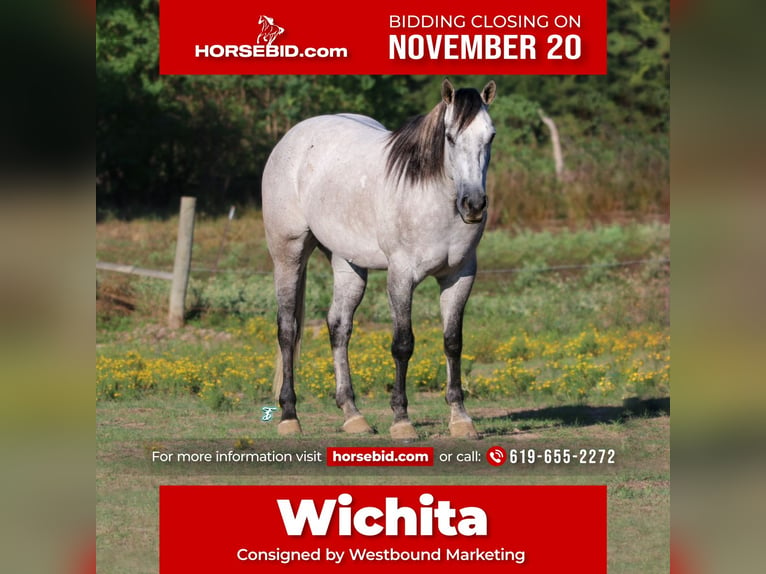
{"points": [[472, 207]]}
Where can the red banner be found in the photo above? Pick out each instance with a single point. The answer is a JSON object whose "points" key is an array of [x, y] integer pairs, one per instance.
{"points": [[398, 37], [537, 529]]}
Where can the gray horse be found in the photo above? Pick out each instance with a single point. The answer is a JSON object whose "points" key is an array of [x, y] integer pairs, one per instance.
{"points": [[411, 201]]}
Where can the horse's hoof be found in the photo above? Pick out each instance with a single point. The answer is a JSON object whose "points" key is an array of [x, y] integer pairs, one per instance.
{"points": [[289, 427], [463, 429], [403, 430], [356, 425]]}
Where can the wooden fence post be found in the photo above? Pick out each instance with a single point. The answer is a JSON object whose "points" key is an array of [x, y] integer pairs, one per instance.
{"points": [[558, 157], [182, 263]]}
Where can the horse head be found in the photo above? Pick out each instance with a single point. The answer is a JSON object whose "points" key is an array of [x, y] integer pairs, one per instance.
{"points": [[468, 141]]}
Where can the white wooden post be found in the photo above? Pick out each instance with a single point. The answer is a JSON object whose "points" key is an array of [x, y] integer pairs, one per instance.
{"points": [[182, 263], [558, 157]]}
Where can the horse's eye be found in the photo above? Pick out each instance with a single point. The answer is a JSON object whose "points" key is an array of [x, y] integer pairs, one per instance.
{"points": [[450, 139], [492, 137]]}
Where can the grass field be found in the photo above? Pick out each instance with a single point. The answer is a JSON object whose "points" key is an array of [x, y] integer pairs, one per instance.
{"points": [[567, 346]]}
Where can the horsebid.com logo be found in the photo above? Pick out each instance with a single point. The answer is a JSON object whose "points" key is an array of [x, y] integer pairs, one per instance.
{"points": [[265, 47], [269, 30]]}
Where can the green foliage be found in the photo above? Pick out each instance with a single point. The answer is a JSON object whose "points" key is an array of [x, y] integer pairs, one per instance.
{"points": [[159, 137], [236, 295], [518, 284], [587, 365], [572, 247]]}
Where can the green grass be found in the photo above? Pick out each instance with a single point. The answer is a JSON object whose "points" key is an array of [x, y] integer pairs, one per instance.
{"points": [[127, 480], [203, 387]]}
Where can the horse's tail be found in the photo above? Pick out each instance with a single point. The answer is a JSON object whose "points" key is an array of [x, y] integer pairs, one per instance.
{"points": [[300, 311]]}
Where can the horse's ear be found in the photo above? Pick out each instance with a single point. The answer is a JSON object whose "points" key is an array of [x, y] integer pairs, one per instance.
{"points": [[489, 91], [448, 92]]}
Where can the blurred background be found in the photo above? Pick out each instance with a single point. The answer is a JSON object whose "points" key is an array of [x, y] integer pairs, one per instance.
{"points": [[46, 287], [47, 313], [718, 180]]}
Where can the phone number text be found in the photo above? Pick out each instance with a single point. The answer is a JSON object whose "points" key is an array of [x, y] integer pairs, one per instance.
{"points": [[562, 456]]}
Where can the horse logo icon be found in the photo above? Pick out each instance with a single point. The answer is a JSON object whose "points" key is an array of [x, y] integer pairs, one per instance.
{"points": [[268, 413], [269, 30]]}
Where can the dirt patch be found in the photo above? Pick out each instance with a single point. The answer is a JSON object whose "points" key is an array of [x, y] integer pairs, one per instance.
{"points": [[645, 484]]}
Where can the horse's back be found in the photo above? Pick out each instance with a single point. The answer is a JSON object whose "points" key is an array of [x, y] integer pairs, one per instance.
{"points": [[323, 137], [324, 176], [364, 120]]}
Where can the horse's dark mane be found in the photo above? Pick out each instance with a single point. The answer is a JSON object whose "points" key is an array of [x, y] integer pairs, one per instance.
{"points": [[416, 149]]}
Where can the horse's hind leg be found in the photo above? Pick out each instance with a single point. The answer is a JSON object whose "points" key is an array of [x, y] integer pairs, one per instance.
{"points": [[454, 294], [348, 289], [290, 259]]}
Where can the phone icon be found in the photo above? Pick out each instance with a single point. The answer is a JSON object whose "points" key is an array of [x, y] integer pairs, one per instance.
{"points": [[496, 455]]}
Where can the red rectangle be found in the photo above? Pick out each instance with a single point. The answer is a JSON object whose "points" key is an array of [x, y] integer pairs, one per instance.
{"points": [[537, 529], [396, 37], [380, 456]]}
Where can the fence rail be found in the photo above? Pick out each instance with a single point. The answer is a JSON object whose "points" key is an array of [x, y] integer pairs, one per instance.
{"points": [[179, 277], [133, 270], [182, 265], [121, 268]]}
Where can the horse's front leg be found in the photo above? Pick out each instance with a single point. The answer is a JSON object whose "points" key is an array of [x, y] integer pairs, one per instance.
{"points": [[455, 290], [400, 288], [349, 282]]}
